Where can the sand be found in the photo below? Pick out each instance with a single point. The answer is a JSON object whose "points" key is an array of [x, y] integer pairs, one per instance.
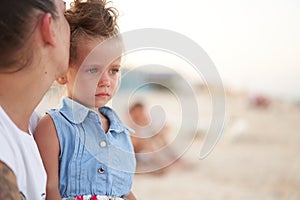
{"points": [[257, 157]]}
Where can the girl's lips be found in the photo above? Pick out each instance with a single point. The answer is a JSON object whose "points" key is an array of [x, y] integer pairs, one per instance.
{"points": [[102, 95]]}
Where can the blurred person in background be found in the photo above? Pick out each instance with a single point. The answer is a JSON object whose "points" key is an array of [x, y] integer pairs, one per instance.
{"points": [[150, 141]]}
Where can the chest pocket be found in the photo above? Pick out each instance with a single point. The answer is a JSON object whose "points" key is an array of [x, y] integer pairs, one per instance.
{"points": [[103, 163], [85, 165]]}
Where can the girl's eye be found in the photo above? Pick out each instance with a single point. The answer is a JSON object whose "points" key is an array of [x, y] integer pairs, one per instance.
{"points": [[114, 71], [92, 70]]}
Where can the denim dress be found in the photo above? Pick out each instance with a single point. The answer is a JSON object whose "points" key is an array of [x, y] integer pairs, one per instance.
{"points": [[92, 162]]}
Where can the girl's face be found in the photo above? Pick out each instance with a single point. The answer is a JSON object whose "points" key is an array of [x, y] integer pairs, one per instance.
{"points": [[93, 78]]}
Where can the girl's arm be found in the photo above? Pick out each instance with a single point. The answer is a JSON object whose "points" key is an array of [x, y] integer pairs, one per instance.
{"points": [[130, 196], [47, 141]]}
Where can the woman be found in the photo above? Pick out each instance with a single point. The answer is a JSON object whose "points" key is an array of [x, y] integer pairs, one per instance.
{"points": [[34, 51]]}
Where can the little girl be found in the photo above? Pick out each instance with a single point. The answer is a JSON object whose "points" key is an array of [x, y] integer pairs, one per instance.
{"points": [[85, 147]]}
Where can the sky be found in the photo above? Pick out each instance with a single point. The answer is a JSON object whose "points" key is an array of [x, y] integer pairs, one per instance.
{"points": [[254, 44]]}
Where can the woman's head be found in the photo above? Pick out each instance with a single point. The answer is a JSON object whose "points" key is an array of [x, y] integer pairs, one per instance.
{"points": [[19, 21], [95, 53]]}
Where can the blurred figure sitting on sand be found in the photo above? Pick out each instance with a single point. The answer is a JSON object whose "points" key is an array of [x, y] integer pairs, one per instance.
{"points": [[150, 142], [260, 101]]}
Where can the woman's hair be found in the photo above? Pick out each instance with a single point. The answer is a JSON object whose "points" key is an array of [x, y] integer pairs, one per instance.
{"points": [[17, 22], [90, 19]]}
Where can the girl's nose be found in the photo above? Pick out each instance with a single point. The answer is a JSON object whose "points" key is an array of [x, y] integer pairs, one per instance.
{"points": [[104, 81]]}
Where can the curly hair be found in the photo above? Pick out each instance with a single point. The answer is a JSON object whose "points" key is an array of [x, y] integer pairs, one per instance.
{"points": [[90, 19]]}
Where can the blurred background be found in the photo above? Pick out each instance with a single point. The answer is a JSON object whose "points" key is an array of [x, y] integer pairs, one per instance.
{"points": [[255, 48]]}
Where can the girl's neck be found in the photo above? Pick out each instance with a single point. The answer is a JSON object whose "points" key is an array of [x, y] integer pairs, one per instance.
{"points": [[104, 122]]}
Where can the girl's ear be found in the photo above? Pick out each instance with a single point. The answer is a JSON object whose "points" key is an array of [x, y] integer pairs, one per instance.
{"points": [[62, 80]]}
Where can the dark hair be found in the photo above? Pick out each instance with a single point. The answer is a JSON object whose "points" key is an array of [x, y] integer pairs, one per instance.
{"points": [[135, 106], [17, 22], [90, 19]]}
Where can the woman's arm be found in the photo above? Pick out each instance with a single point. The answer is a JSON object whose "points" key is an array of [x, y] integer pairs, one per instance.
{"points": [[8, 183], [47, 141]]}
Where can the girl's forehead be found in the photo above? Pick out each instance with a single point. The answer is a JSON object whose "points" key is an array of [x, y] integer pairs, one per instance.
{"points": [[100, 42], [105, 51], [95, 50]]}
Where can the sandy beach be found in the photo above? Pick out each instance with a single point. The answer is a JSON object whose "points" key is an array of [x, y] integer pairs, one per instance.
{"points": [[257, 157]]}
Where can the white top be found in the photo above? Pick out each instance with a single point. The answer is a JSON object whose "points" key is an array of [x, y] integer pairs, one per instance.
{"points": [[19, 152]]}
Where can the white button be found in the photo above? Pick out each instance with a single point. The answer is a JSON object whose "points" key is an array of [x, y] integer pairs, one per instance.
{"points": [[102, 144]]}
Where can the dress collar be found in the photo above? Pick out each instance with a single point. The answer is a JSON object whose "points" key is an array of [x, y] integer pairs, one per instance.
{"points": [[76, 113]]}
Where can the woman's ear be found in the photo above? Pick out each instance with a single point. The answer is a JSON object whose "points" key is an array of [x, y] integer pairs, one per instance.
{"points": [[62, 80], [48, 34]]}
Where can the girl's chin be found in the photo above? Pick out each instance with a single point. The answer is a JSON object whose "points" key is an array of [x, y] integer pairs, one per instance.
{"points": [[99, 103]]}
